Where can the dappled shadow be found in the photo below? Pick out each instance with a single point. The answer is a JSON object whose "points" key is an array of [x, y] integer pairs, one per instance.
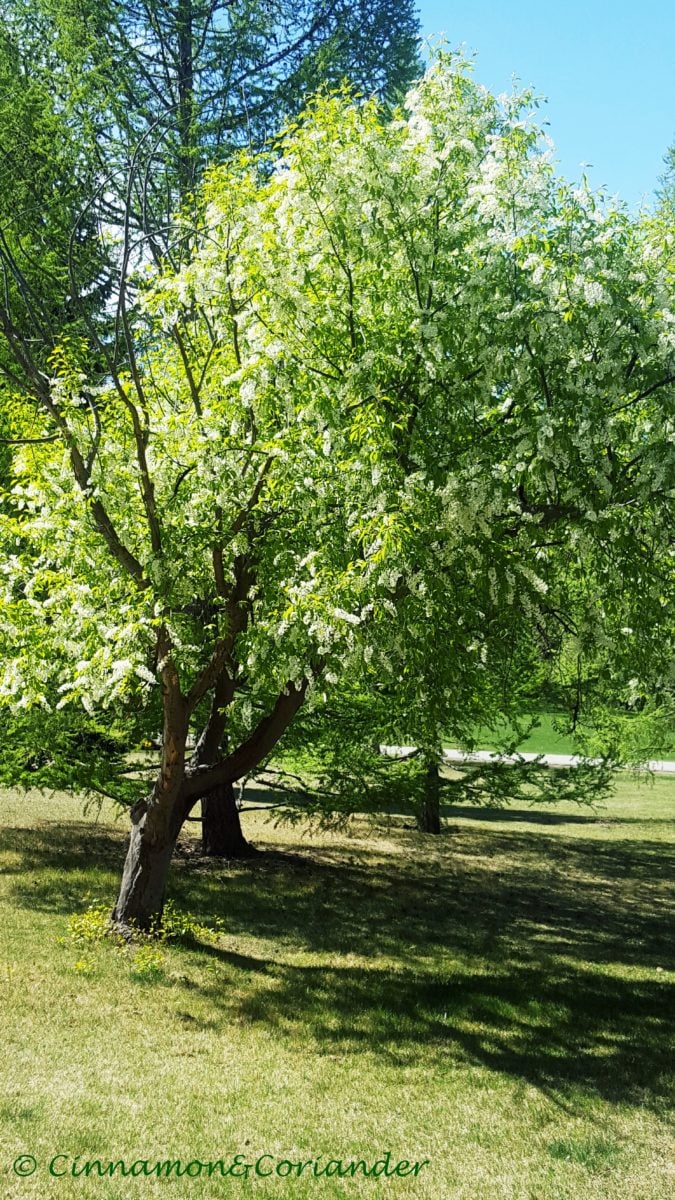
{"points": [[522, 951], [477, 890], [566, 1029], [518, 951], [533, 816], [53, 862], [539, 816]]}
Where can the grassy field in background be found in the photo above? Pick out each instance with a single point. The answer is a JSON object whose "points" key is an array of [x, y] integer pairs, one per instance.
{"points": [[547, 738], [496, 1000], [544, 739]]}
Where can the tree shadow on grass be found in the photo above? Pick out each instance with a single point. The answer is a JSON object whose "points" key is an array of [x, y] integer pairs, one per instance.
{"points": [[541, 816], [604, 900], [55, 864], [567, 1030], [521, 952]]}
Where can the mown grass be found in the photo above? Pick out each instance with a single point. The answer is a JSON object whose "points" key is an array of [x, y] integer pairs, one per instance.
{"points": [[549, 736], [545, 738], [497, 1000]]}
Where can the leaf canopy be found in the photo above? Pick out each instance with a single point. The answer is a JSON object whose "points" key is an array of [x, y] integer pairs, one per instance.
{"points": [[417, 429]]}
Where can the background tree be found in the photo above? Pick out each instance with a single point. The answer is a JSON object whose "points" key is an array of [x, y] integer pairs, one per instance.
{"points": [[421, 374], [45, 170], [154, 92], [332, 763], [111, 112], [666, 191]]}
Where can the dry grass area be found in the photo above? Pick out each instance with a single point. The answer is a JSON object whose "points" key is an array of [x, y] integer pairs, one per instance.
{"points": [[497, 1000]]}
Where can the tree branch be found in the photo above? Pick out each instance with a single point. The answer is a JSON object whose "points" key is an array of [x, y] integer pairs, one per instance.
{"points": [[257, 746]]}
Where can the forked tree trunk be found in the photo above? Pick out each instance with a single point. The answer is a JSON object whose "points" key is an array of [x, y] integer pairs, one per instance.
{"points": [[429, 817], [222, 835], [157, 821]]}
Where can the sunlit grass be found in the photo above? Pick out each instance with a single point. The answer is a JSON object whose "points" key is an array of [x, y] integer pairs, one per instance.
{"points": [[495, 1000], [545, 738], [550, 735]]}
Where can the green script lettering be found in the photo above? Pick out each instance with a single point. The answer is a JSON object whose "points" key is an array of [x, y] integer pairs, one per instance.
{"points": [[355, 1167], [400, 1168], [55, 1159], [211, 1168], [139, 1167], [246, 1167], [75, 1171], [94, 1166], [167, 1168], [382, 1163], [331, 1168]]}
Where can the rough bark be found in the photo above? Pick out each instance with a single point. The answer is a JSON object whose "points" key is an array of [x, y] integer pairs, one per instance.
{"points": [[141, 897], [203, 779], [157, 820], [429, 816], [222, 835]]}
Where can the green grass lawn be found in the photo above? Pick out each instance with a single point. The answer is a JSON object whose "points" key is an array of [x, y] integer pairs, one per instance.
{"points": [[547, 738], [496, 1000], [544, 739]]}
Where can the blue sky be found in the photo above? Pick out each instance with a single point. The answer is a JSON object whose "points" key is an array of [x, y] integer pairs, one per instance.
{"points": [[607, 68]]}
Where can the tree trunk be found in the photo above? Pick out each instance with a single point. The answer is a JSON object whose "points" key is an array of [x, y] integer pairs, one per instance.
{"points": [[222, 835], [141, 898], [429, 817], [157, 820]]}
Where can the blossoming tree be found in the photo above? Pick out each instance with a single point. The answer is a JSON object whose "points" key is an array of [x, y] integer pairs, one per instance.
{"points": [[418, 411]]}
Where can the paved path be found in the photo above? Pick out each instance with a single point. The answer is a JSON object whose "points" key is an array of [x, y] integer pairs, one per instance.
{"points": [[659, 765]]}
